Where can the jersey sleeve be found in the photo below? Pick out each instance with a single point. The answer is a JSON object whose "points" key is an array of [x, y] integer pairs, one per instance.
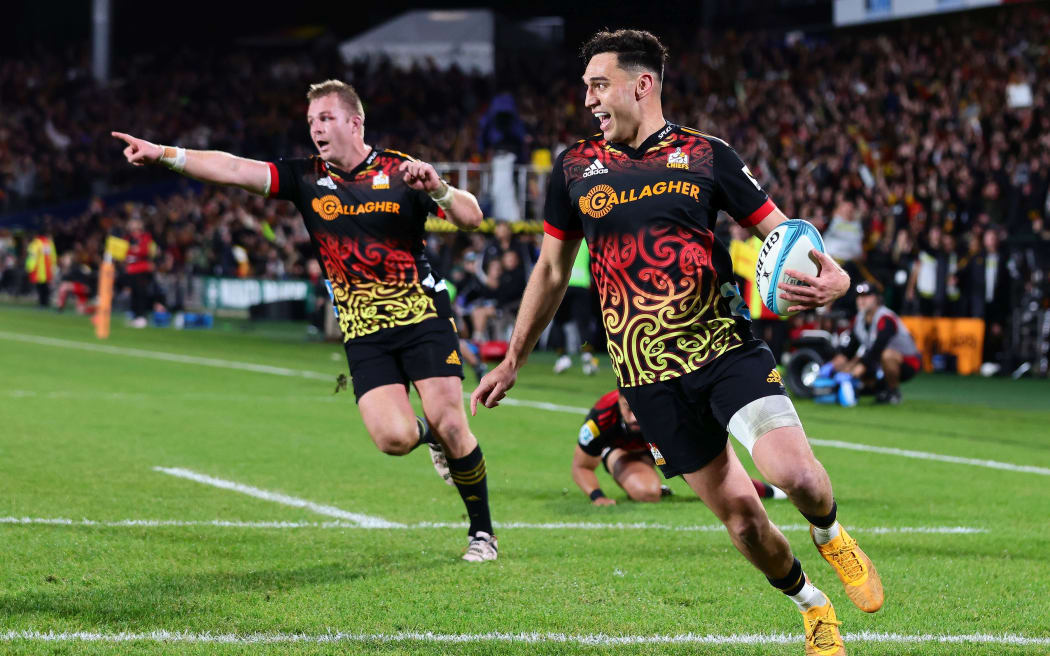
{"points": [[425, 204], [284, 178], [560, 218], [736, 190], [591, 439]]}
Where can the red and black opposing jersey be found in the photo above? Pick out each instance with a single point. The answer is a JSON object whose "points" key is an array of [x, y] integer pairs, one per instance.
{"points": [[604, 429], [669, 300], [367, 226]]}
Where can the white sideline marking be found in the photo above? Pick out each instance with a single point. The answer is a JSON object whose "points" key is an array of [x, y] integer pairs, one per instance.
{"points": [[168, 357], [277, 497], [922, 455], [539, 405], [599, 639], [93, 395], [552, 526]]}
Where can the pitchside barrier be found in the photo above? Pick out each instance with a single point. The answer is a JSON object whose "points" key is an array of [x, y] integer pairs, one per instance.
{"points": [[960, 338]]}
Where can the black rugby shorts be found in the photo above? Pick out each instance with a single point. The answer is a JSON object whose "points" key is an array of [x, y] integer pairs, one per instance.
{"points": [[429, 349], [685, 418]]}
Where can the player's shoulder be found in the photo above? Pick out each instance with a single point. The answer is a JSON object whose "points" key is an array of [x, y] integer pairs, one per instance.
{"points": [[607, 401], [390, 153], [693, 133], [584, 146]]}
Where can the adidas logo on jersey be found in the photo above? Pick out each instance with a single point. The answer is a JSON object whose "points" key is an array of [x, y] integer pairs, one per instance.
{"points": [[326, 182], [595, 168]]}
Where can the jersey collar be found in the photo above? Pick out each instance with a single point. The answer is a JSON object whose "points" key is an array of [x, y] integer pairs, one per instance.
{"points": [[650, 141], [340, 174]]}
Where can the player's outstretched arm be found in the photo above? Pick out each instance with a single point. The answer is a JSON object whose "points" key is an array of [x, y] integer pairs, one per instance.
{"points": [[211, 166], [543, 294], [584, 466], [460, 207]]}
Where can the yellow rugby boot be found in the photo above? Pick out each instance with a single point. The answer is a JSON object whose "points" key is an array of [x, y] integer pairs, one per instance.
{"points": [[855, 570], [822, 632]]}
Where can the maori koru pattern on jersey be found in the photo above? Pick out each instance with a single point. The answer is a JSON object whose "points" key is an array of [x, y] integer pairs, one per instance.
{"points": [[375, 285], [663, 333]]}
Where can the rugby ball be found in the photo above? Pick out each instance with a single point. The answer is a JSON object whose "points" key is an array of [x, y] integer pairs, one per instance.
{"points": [[786, 247]]}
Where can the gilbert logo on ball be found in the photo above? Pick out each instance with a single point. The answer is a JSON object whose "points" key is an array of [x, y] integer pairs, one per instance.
{"points": [[787, 246]]}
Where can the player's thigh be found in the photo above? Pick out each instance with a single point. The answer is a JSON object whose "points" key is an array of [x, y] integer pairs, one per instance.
{"points": [[785, 459], [891, 357], [725, 487], [635, 472]]}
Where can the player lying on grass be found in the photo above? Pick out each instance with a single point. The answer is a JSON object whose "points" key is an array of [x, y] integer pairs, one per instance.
{"points": [[365, 208], [646, 194], [610, 436]]}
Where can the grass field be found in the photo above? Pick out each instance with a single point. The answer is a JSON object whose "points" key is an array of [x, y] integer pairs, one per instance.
{"points": [[949, 493]]}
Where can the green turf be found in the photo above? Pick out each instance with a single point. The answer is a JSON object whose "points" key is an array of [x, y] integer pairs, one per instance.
{"points": [[81, 431]]}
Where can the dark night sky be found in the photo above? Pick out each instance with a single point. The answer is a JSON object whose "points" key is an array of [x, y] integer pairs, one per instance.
{"points": [[141, 24]]}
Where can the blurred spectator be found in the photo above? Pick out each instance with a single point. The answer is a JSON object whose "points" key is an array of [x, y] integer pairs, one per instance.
{"points": [[501, 140], [42, 265], [844, 236], [138, 271], [986, 282]]}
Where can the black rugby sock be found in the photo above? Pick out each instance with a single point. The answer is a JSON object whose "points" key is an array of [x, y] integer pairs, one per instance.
{"points": [[425, 436], [793, 582], [823, 522], [468, 473]]}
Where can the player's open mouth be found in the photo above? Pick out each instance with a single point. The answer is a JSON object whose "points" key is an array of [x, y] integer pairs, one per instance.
{"points": [[604, 119], [321, 145]]}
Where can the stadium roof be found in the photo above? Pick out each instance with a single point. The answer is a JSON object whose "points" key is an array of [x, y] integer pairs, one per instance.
{"points": [[465, 38]]}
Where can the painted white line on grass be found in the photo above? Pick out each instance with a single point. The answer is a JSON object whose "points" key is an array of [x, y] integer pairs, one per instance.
{"points": [[553, 526], [598, 639], [922, 455], [89, 395], [277, 497], [168, 357], [539, 405]]}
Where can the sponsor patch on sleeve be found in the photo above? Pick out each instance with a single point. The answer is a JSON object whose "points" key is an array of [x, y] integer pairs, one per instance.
{"points": [[588, 432]]}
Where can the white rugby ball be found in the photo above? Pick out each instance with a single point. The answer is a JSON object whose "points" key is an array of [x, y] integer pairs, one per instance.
{"points": [[786, 247]]}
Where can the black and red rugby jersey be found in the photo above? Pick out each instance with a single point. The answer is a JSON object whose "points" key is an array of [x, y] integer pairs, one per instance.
{"points": [[604, 429], [669, 300], [367, 227]]}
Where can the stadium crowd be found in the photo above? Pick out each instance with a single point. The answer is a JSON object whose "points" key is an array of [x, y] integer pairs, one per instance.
{"points": [[922, 151]]}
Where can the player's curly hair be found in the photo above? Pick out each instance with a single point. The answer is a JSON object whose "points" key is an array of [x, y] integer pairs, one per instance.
{"points": [[633, 48], [346, 93]]}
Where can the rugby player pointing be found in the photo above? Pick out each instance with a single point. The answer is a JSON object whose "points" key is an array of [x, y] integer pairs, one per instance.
{"points": [[646, 194], [365, 208]]}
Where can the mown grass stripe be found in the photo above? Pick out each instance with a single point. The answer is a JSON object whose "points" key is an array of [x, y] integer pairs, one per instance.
{"points": [[546, 526], [598, 639]]}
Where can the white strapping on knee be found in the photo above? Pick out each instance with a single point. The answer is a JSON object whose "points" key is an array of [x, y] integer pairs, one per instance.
{"points": [[761, 416]]}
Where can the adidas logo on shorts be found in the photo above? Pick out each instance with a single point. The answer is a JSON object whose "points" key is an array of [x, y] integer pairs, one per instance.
{"points": [[453, 358], [594, 169]]}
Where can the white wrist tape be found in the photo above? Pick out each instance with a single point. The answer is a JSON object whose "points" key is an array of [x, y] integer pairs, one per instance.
{"points": [[174, 158], [444, 201]]}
